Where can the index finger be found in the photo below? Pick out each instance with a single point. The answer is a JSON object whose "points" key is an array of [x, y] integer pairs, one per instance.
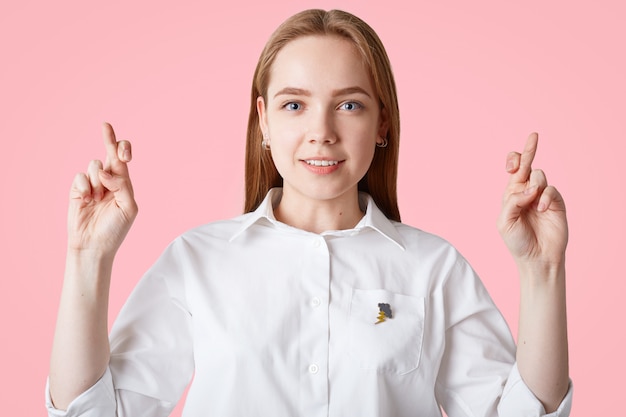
{"points": [[113, 163], [526, 160]]}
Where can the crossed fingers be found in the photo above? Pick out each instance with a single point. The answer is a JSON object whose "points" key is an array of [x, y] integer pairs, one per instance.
{"points": [[112, 175], [118, 153], [527, 181]]}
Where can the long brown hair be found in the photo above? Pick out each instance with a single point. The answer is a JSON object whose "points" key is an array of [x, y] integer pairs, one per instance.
{"points": [[380, 179]]}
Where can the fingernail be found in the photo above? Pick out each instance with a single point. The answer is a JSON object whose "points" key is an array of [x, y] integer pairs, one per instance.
{"points": [[87, 199], [542, 206], [509, 166], [106, 174], [126, 155]]}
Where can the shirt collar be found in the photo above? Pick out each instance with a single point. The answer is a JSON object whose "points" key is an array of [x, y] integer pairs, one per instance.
{"points": [[373, 219]]}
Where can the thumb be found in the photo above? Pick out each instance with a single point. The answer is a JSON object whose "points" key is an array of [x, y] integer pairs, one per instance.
{"points": [[122, 190], [514, 204]]}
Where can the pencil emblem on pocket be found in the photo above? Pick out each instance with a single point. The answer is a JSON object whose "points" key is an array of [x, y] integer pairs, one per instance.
{"points": [[384, 312]]}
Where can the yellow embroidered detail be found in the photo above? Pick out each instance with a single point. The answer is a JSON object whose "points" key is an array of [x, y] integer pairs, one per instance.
{"points": [[381, 317]]}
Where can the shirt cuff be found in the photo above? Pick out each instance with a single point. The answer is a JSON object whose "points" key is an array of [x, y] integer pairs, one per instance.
{"points": [[518, 399], [97, 401]]}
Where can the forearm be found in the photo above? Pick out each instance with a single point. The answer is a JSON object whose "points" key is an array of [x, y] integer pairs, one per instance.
{"points": [[80, 351], [542, 353]]}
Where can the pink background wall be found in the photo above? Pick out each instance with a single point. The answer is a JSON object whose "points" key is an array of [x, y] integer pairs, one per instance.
{"points": [[474, 79]]}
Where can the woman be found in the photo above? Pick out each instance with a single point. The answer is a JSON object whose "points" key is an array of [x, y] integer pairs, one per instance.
{"points": [[317, 301]]}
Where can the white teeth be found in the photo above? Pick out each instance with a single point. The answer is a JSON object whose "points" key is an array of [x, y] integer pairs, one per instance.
{"points": [[321, 163]]}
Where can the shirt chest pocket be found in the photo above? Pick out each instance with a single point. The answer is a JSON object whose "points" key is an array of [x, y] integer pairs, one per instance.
{"points": [[392, 345]]}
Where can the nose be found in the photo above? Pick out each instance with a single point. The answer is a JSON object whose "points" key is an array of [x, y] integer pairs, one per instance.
{"points": [[321, 127]]}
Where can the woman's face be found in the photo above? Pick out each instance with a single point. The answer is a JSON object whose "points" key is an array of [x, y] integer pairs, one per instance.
{"points": [[322, 118]]}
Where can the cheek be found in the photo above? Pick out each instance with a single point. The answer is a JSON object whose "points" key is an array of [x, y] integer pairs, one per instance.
{"points": [[367, 145], [362, 139], [368, 155], [363, 127], [284, 129], [283, 146]]}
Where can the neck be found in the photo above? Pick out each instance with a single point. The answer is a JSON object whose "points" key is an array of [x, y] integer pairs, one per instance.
{"points": [[318, 216]]}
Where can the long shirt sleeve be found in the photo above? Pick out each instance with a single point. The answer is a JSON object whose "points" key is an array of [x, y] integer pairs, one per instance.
{"points": [[151, 350]]}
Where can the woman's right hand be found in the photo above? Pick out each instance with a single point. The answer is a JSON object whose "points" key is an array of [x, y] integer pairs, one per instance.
{"points": [[102, 203], [101, 211]]}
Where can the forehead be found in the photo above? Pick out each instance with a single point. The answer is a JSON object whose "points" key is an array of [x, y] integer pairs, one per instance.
{"points": [[319, 63]]}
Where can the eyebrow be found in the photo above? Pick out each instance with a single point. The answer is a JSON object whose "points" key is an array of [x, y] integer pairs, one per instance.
{"points": [[302, 92]]}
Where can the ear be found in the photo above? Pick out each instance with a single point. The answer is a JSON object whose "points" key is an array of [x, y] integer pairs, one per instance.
{"points": [[262, 112], [383, 127]]}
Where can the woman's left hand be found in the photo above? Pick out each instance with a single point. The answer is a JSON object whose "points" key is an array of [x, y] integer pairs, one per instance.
{"points": [[532, 221]]}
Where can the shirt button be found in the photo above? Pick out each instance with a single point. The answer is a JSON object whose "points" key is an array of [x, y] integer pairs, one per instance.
{"points": [[316, 243], [313, 368], [315, 302]]}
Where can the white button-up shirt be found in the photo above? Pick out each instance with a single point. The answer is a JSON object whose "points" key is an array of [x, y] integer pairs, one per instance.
{"points": [[268, 320]]}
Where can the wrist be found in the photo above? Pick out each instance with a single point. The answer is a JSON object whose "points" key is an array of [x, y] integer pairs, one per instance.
{"points": [[89, 268], [91, 256], [541, 276]]}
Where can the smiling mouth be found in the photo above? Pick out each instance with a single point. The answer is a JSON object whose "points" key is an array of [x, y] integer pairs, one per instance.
{"points": [[320, 163]]}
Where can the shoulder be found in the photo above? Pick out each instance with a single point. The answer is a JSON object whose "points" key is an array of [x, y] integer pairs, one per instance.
{"points": [[414, 239], [220, 229], [431, 249], [207, 237]]}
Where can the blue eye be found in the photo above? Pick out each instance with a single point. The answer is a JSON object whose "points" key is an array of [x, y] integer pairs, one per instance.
{"points": [[293, 106], [351, 106]]}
